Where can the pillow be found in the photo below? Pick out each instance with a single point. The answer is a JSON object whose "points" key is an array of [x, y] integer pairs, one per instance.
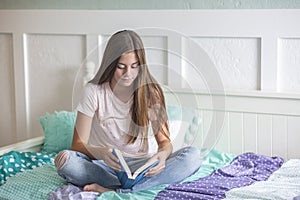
{"points": [[183, 120], [177, 131], [58, 129], [176, 112]]}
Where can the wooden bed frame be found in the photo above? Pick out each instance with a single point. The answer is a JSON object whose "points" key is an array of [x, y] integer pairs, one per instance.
{"points": [[262, 117]]}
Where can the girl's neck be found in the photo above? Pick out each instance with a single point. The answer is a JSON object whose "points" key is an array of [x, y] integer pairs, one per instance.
{"points": [[122, 92]]}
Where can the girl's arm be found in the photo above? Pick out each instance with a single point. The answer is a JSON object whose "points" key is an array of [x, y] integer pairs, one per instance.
{"points": [[165, 148], [80, 143]]}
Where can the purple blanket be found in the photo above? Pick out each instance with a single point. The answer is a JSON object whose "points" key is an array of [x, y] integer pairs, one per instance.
{"points": [[244, 170]]}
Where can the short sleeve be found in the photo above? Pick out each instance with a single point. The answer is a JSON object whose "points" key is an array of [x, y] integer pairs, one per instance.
{"points": [[88, 103]]}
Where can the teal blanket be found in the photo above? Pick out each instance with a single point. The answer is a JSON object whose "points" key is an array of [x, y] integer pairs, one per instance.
{"points": [[34, 184], [13, 162]]}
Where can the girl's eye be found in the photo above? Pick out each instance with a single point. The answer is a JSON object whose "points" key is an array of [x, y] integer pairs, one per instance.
{"points": [[121, 66], [135, 66]]}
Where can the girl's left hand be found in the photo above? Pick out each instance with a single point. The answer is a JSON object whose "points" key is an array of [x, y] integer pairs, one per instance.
{"points": [[159, 167]]}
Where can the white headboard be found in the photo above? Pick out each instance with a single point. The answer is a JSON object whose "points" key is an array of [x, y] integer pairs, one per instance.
{"points": [[254, 54]]}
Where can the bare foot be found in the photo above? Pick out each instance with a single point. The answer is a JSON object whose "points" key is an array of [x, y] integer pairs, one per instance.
{"points": [[96, 188]]}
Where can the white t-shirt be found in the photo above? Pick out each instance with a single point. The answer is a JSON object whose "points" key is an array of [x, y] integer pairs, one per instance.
{"points": [[111, 120]]}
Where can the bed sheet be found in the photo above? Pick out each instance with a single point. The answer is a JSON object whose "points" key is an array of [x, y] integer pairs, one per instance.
{"points": [[282, 184], [39, 182], [33, 184], [13, 162]]}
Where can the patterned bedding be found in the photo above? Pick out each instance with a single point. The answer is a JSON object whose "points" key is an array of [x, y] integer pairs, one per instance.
{"points": [[39, 180], [282, 184], [13, 162], [244, 170], [32, 184]]}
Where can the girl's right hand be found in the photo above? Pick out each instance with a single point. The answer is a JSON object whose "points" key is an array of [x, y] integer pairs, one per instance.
{"points": [[110, 159]]}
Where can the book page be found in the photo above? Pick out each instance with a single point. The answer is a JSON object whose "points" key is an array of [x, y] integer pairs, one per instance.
{"points": [[123, 163], [145, 166], [127, 170]]}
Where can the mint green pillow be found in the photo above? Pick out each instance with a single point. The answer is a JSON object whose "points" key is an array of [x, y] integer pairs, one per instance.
{"points": [[58, 129], [183, 117]]}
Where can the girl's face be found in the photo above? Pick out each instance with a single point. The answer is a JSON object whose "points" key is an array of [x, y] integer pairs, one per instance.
{"points": [[127, 70]]}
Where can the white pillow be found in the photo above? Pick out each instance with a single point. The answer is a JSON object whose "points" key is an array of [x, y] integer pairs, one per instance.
{"points": [[178, 130]]}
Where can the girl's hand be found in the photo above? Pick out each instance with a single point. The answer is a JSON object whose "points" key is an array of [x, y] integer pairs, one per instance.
{"points": [[110, 159], [160, 166]]}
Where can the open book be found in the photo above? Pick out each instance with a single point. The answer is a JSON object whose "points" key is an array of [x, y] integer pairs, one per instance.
{"points": [[126, 177]]}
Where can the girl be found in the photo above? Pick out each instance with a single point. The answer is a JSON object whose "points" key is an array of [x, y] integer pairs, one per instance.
{"points": [[115, 112]]}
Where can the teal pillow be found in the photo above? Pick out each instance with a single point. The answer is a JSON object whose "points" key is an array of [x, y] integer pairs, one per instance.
{"points": [[58, 129], [185, 115]]}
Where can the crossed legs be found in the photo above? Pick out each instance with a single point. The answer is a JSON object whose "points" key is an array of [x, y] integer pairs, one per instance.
{"points": [[78, 169], [95, 175]]}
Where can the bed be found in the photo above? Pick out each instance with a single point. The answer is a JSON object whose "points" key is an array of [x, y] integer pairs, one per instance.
{"points": [[222, 175], [241, 110], [28, 171]]}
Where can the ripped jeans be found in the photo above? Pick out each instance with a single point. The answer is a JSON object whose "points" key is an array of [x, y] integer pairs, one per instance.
{"points": [[81, 170]]}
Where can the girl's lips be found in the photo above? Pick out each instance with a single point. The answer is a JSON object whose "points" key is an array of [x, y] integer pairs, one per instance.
{"points": [[128, 78]]}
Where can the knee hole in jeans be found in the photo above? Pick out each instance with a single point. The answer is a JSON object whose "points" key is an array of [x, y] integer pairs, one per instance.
{"points": [[61, 159]]}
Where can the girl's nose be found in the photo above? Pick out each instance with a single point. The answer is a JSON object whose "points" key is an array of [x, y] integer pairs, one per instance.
{"points": [[128, 71]]}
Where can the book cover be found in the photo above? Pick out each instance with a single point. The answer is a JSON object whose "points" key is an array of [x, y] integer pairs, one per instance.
{"points": [[127, 178]]}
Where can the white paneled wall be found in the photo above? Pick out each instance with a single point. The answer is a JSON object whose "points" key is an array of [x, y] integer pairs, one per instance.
{"points": [[289, 65], [265, 125], [239, 68], [157, 55], [261, 133], [7, 114], [52, 63], [236, 59]]}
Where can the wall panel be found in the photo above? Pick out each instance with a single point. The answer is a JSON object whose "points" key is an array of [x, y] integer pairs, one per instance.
{"points": [[7, 102], [157, 55], [237, 61], [289, 65], [53, 61], [264, 136], [280, 135], [293, 136], [236, 132], [223, 137], [250, 132]]}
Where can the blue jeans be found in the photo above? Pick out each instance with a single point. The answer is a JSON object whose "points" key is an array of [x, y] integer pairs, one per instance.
{"points": [[80, 170]]}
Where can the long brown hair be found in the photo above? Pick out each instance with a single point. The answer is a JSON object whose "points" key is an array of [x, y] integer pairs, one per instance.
{"points": [[147, 92]]}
